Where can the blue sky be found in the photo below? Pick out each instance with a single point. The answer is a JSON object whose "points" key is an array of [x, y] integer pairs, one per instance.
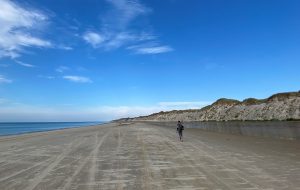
{"points": [[74, 60]]}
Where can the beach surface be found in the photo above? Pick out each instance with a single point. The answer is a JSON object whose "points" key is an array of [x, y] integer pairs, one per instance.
{"points": [[139, 156]]}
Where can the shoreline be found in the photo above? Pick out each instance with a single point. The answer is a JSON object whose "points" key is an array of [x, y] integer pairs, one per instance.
{"points": [[229, 127], [52, 130], [47, 130]]}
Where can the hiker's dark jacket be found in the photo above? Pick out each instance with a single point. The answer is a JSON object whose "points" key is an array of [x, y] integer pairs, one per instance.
{"points": [[180, 127]]}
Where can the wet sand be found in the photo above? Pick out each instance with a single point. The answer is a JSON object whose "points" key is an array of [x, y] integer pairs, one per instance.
{"points": [[146, 156]]}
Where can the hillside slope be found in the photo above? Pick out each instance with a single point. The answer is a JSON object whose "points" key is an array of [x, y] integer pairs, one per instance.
{"points": [[281, 106]]}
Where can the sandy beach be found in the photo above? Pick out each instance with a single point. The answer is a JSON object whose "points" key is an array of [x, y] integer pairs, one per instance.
{"points": [[146, 156]]}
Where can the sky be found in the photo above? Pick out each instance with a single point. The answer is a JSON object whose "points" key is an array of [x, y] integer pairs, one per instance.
{"points": [[97, 60]]}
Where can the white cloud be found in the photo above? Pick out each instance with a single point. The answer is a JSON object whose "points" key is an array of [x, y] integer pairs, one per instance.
{"points": [[64, 47], [4, 80], [153, 50], [93, 38], [117, 31], [78, 79], [123, 12], [24, 64], [27, 40], [62, 69], [111, 41], [119, 40], [17, 25]]}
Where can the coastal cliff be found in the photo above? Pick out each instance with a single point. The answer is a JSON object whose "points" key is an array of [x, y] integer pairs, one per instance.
{"points": [[281, 106]]}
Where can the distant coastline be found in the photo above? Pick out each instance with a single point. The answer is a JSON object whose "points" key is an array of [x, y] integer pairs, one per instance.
{"points": [[278, 107], [17, 128]]}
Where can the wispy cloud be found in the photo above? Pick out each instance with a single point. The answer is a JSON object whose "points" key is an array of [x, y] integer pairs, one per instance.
{"points": [[64, 47], [24, 64], [151, 49], [117, 30], [93, 38], [119, 40], [123, 13], [62, 69], [17, 26], [4, 80], [79, 79]]}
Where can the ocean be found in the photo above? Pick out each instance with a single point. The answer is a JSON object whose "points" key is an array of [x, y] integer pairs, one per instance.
{"points": [[14, 128]]}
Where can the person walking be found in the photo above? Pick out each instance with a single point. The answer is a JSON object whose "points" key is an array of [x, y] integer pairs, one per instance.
{"points": [[180, 128]]}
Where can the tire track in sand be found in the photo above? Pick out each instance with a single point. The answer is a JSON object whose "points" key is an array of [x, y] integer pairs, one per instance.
{"points": [[25, 170], [92, 171], [86, 160], [117, 155], [191, 163], [147, 177], [51, 166]]}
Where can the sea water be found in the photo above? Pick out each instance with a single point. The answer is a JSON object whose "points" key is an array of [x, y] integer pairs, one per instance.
{"points": [[13, 128]]}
